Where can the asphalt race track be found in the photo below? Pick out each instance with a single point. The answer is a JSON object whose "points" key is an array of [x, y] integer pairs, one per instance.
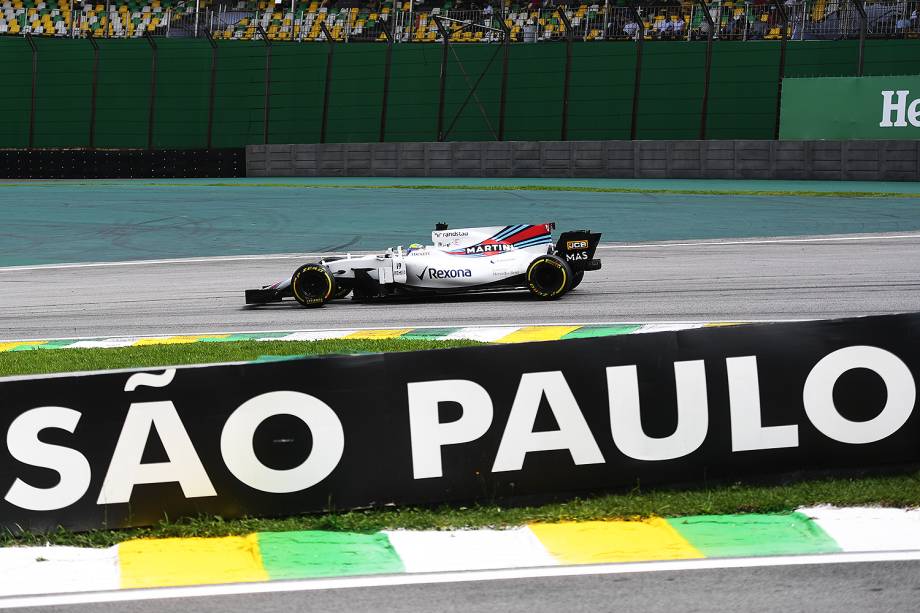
{"points": [[869, 266], [722, 280], [876, 586]]}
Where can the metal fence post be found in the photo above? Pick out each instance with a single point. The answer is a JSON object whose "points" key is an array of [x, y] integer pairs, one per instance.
{"points": [[212, 92], [863, 26], [569, 36], [34, 87], [266, 105], [503, 99], [784, 17], [704, 107], [95, 88], [445, 35], [387, 67], [328, 86], [637, 80], [153, 88]]}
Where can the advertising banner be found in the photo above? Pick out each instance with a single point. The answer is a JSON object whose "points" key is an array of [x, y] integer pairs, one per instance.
{"points": [[844, 108], [540, 420]]}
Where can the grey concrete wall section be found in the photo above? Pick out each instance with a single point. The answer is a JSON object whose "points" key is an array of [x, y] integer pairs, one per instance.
{"points": [[868, 160]]}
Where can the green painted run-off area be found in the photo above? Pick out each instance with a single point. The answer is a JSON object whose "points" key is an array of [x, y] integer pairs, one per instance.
{"points": [[48, 222]]}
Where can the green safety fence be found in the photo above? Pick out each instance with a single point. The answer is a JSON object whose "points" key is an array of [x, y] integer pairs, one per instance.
{"points": [[196, 93]]}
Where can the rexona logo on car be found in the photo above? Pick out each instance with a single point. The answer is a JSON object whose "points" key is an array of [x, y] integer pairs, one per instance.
{"points": [[435, 273], [570, 245]]}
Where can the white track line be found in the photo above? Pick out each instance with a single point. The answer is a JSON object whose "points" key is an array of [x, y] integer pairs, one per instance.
{"points": [[203, 260], [306, 585], [764, 241]]}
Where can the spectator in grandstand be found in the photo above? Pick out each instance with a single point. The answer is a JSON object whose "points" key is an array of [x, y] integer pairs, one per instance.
{"points": [[530, 31], [663, 28], [735, 27], [487, 11], [902, 26], [703, 31], [631, 29], [678, 25], [758, 30]]}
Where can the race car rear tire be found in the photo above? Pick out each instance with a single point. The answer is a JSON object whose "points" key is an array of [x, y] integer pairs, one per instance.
{"points": [[576, 278], [313, 285], [549, 277]]}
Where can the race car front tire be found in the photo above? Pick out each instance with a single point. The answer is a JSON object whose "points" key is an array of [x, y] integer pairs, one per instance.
{"points": [[313, 285], [549, 277]]}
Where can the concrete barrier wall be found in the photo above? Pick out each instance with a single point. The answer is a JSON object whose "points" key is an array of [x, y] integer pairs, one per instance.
{"points": [[865, 160]]}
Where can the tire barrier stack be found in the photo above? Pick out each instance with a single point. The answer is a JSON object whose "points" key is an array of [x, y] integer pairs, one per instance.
{"points": [[121, 163], [535, 420]]}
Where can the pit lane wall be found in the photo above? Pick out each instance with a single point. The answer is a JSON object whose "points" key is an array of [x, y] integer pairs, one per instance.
{"points": [[536, 420], [864, 160]]}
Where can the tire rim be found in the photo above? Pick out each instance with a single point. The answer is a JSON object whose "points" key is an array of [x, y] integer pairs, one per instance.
{"points": [[313, 285], [547, 278]]}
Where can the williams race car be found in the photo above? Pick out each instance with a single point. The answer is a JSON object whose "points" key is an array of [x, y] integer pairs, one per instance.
{"points": [[459, 261]]}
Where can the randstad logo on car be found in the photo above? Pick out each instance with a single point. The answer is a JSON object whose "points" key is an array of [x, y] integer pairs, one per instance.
{"points": [[436, 273]]}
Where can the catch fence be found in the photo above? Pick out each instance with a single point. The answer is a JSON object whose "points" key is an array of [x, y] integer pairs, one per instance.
{"points": [[178, 93]]}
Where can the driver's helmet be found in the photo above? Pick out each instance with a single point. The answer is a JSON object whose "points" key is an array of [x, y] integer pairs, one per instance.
{"points": [[414, 246]]}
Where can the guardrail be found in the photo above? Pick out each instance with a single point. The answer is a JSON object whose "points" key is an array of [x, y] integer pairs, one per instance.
{"points": [[538, 420]]}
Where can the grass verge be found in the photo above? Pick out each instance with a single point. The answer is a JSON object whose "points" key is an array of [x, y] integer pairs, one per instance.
{"points": [[902, 490], [43, 361], [577, 188]]}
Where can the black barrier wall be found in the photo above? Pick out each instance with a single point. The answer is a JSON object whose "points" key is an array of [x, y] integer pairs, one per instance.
{"points": [[485, 423], [120, 163]]}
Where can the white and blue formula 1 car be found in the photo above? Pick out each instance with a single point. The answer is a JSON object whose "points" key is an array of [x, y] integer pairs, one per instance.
{"points": [[459, 261]]}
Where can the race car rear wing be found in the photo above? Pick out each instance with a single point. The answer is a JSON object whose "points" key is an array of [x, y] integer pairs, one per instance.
{"points": [[577, 248]]}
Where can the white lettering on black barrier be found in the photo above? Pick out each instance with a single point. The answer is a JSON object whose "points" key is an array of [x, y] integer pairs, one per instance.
{"points": [[748, 431], [626, 421], [240, 457], [519, 438], [126, 470], [72, 466], [183, 465], [428, 435], [818, 394]]}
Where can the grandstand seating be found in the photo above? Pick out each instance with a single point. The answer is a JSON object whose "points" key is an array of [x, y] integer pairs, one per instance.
{"points": [[290, 20]]}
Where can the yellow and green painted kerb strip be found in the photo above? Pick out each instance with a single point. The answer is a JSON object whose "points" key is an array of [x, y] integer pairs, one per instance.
{"points": [[486, 334], [268, 556]]}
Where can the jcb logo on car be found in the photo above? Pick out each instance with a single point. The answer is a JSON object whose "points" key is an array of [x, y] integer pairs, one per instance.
{"points": [[570, 245]]}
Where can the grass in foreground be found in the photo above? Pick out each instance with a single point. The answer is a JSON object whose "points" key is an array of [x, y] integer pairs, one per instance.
{"points": [[42, 361], [901, 490]]}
